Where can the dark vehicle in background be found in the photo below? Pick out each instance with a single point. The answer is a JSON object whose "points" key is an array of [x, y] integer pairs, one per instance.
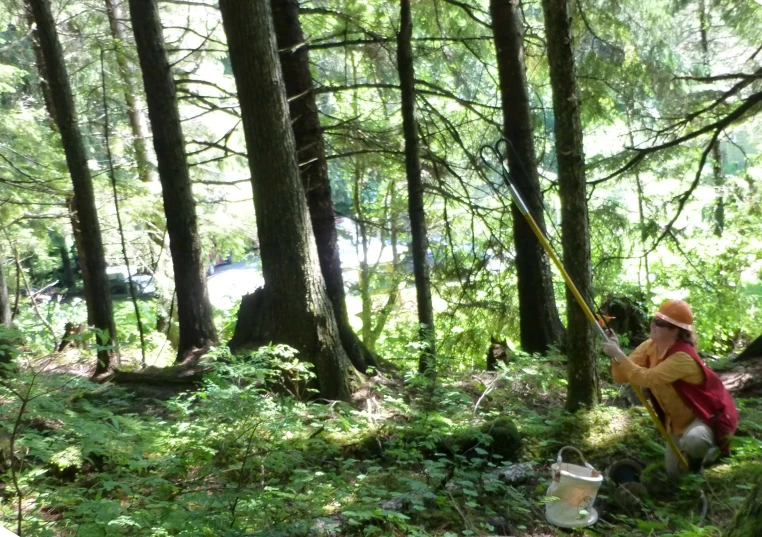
{"points": [[218, 261]]}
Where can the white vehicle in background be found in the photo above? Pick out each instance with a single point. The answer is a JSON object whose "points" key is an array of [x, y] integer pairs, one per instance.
{"points": [[119, 282]]}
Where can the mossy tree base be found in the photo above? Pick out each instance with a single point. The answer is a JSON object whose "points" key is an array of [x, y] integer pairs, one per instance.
{"points": [[748, 519]]}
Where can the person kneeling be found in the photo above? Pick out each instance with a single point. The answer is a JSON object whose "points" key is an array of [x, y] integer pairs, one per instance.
{"points": [[690, 399]]}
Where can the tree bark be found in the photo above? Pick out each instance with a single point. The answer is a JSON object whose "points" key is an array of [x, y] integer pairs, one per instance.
{"points": [[71, 202], [748, 519], [293, 307], [6, 317], [67, 279], [583, 389], [415, 188], [752, 350], [646, 281], [67, 274], [719, 183], [134, 113], [364, 280], [310, 150], [76, 231], [193, 308], [393, 294], [100, 309], [539, 322], [40, 62], [718, 211]]}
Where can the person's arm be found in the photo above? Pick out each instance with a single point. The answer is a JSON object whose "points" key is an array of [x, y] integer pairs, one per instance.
{"points": [[638, 357], [676, 367]]}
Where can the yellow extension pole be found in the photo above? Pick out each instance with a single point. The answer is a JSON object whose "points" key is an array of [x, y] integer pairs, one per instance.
{"points": [[586, 309]]}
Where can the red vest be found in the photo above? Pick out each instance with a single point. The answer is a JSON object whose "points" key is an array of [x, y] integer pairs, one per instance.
{"points": [[709, 401]]}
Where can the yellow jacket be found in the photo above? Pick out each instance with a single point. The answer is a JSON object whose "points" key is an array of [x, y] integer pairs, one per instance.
{"points": [[646, 368]]}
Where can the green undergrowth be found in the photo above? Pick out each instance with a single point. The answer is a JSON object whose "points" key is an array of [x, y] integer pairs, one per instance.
{"points": [[410, 457]]}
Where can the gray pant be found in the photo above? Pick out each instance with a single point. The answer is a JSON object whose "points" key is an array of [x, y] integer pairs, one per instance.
{"points": [[694, 443]]}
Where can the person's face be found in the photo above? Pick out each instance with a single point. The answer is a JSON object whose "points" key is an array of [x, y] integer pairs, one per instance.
{"points": [[662, 331]]}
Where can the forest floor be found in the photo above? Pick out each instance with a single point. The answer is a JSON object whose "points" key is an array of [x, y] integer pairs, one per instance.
{"points": [[408, 457]]}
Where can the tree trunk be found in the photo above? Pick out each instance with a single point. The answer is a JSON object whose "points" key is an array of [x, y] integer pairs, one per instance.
{"points": [[76, 231], [310, 149], [193, 308], [415, 188], [393, 294], [646, 282], [67, 279], [364, 280], [6, 318], [67, 274], [719, 183], [718, 212], [293, 308], [748, 519], [539, 322], [100, 310], [134, 113], [50, 107], [583, 367], [40, 62]]}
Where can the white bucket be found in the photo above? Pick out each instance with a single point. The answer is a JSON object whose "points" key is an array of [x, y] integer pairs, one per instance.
{"points": [[576, 488]]}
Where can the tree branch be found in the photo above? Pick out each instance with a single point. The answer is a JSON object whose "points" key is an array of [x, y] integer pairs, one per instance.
{"points": [[687, 194], [221, 183], [189, 81], [442, 92], [350, 87], [470, 12], [363, 152], [717, 126], [360, 42], [26, 217], [717, 78]]}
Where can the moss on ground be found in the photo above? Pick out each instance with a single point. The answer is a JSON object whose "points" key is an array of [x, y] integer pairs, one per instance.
{"points": [[427, 463]]}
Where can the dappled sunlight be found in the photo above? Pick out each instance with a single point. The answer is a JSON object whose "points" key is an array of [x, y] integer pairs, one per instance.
{"points": [[419, 457], [405, 456], [603, 434], [607, 429]]}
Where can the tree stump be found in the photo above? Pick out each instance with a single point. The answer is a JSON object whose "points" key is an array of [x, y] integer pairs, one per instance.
{"points": [[70, 337]]}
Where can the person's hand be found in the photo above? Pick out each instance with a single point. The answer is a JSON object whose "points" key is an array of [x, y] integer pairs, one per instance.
{"points": [[611, 335], [612, 350]]}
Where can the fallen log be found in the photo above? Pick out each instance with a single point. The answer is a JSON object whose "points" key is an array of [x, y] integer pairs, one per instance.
{"points": [[189, 372], [162, 376], [743, 378]]}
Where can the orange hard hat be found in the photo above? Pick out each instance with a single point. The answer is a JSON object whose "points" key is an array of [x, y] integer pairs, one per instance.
{"points": [[676, 312]]}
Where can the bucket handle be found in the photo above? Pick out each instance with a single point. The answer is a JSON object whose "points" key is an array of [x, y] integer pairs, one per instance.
{"points": [[581, 456]]}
